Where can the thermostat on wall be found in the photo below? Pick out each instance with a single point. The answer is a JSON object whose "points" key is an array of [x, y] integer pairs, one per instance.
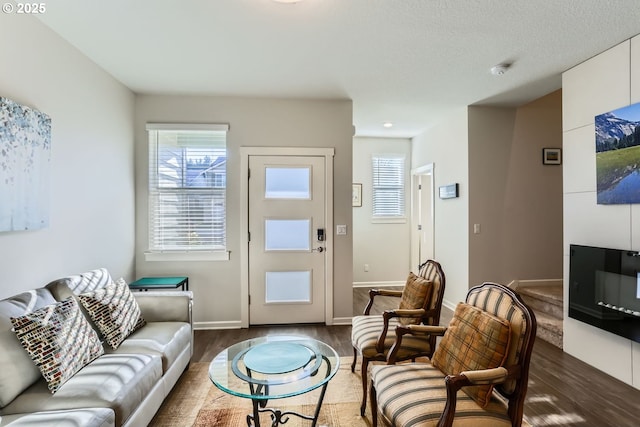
{"points": [[449, 191]]}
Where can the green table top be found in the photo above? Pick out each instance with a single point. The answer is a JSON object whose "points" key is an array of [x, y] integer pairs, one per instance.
{"points": [[159, 281]]}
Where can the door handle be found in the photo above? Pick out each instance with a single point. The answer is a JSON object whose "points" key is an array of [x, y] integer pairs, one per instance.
{"points": [[320, 249]]}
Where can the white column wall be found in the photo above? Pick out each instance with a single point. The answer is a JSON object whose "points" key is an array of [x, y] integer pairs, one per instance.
{"points": [[603, 83]]}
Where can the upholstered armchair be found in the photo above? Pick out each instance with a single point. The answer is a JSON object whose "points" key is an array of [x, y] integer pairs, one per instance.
{"points": [[478, 373], [420, 302]]}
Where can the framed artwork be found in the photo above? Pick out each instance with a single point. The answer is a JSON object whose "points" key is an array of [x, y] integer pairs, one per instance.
{"points": [[617, 152], [25, 146], [552, 156], [356, 195]]}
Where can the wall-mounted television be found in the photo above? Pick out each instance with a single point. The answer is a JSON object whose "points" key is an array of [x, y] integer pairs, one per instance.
{"points": [[604, 289]]}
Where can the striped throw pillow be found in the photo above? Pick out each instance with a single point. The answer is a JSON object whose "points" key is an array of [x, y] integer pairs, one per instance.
{"points": [[59, 339], [114, 310], [474, 340]]}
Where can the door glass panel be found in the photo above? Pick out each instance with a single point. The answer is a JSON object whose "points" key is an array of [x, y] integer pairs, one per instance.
{"points": [[287, 235], [287, 183], [288, 286]]}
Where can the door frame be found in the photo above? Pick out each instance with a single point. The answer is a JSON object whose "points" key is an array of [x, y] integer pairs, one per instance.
{"points": [[427, 169], [245, 153]]}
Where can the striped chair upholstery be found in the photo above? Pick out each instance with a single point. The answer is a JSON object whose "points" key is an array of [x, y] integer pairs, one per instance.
{"points": [[372, 335], [416, 395]]}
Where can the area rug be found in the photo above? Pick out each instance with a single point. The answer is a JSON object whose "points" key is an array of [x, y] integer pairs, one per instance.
{"points": [[195, 401]]}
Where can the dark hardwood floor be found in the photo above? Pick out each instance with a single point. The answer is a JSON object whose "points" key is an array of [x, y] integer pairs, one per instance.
{"points": [[563, 391]]}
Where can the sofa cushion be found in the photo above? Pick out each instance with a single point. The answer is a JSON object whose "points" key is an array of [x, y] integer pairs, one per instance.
{"points": [[89, 417], [18, 370], [474, 340], [114, 311], [58, 339], [117, 381], [166, 339], [415, 295]]}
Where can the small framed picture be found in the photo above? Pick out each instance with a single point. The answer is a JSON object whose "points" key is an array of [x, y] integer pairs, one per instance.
{"points": [[552, 156], [356, 195]]}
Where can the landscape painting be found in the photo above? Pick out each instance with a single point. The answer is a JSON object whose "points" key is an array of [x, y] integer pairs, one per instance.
{"points": [[618, 156], [25, 146]]}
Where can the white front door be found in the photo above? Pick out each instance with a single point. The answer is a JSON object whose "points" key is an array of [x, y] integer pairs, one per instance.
{"points": [[287, 251]]}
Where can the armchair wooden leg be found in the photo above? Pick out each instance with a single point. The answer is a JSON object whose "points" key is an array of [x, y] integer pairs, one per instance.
{"points": [[353, 364], [374, 406], [365, 364]]}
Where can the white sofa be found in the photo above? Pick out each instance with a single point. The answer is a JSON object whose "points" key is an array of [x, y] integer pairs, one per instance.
{"points": [[123, 387]]}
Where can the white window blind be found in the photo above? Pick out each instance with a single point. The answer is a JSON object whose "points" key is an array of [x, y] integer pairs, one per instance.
{"points": [[388, 186], [187, 187]]}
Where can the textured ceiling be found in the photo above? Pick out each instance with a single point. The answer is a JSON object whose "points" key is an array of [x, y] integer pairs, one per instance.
{"points": [[404, 61]]}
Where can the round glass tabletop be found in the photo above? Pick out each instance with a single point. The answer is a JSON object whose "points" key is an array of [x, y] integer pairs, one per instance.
{"points": [[274, 367]]}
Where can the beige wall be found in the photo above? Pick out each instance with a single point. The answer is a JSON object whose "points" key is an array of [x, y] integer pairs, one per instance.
{"points": [[253, 122], [372, 241], [91, 205], [605, 82], [446, 146], [516, 200]]}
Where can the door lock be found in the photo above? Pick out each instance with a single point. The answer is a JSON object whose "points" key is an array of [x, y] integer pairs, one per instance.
{"points": [[320, 249]]}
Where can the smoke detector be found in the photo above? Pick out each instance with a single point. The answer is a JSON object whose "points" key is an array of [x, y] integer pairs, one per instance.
{"points": [[500, 69]]}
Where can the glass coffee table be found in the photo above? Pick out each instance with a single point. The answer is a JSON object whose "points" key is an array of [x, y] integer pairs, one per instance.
{"points": [[275, 367]]}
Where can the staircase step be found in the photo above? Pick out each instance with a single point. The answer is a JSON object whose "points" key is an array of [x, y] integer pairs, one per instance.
{"points": [[549, 328], [544, 299]]}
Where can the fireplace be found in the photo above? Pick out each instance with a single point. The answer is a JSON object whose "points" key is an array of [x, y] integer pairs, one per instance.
{"points": [[604, 289]]}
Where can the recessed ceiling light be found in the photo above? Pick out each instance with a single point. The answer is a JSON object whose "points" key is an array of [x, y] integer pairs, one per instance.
{"points": [[387, 124]]}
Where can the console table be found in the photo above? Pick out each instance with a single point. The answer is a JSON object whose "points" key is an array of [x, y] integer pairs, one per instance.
{"points": [[275, 367], [146, 283]]}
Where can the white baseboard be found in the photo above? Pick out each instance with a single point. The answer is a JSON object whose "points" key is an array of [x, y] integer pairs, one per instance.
{"points": [[217, 325], [342, 321], [377, 284], [534, 282]]}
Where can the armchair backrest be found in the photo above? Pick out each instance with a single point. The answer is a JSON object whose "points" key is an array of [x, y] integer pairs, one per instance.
{"points": [[432, 271], [507, 304]]}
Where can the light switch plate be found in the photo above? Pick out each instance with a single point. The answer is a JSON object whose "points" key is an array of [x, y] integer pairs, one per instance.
{"points": [[341, 230]]}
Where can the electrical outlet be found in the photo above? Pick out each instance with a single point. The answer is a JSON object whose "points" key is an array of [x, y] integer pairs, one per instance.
{"points": [[341, 230], [366, 267]]}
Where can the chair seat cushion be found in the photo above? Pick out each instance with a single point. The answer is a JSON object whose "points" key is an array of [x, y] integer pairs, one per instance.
{"points": [[414, 395], [366, 330]]}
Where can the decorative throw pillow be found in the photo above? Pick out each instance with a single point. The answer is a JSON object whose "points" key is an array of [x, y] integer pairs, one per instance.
{"points": [[59, 339], [114, 310], [474, 340], [415, 294]]}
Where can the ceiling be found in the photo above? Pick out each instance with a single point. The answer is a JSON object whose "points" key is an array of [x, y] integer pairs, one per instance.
{"points": [[404, 61]]}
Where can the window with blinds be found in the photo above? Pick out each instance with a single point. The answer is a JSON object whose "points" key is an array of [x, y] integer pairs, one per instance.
{"points": [[388, 186], [187, 187]]}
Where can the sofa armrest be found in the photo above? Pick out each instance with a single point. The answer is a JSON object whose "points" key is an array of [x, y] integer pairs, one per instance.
{"points": [[171, 306]]}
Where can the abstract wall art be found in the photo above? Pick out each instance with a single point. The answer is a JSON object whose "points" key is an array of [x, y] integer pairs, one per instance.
{"points": [[618, 156], [25, 152]]}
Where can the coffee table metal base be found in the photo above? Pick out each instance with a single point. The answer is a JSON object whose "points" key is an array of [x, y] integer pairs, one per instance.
{"points": [[279, 417]]}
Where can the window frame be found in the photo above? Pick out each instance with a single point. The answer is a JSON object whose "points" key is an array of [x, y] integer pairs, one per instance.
{"points": [[210, 253], [400, 217]]}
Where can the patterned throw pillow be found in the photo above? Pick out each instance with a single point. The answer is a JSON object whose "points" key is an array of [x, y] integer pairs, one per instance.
{"points": [[59, 340], [114, 310], [474, 340], [415, 295]]}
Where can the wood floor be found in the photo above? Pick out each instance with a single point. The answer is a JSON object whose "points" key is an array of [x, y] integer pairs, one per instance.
{"points": [[563, 391]]}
